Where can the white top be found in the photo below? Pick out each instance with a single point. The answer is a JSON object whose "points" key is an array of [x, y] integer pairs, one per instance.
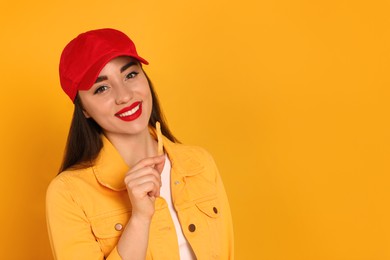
{"points": [[185, 249]]}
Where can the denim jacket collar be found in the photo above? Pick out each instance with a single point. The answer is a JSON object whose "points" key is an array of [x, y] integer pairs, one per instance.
{"points": [[110, 169]]}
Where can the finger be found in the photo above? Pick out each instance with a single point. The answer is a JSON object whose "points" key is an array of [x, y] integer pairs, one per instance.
{"points": [[155, 190], [133, 185], [150, 161], [133, 182], [147, 189], [142, 173], [159, 166]]}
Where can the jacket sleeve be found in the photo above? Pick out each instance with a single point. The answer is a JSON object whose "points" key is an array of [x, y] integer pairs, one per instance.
{"points": [[227, 220], [69, 230], [228, 235]]}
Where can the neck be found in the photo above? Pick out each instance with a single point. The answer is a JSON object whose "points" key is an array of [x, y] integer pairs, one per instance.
{"points": [[134, 148]]}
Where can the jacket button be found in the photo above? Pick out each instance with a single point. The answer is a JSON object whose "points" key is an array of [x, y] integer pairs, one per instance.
{"points": [[118, 226], [191, 227], [215, 210]]}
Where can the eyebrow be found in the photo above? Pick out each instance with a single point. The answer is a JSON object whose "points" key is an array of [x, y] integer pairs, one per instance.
{"points": [[128, 65], [125, 67], [100, 79]]}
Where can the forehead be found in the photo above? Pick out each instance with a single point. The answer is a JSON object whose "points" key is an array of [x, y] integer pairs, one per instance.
{"points": [[120, 63]]}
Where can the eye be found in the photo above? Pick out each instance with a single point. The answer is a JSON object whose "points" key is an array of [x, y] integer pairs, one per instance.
{"points": [[100, 89], [131, 75]]}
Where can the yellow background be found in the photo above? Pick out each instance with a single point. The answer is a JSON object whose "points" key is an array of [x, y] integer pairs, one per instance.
{"points": [[291, 98]]}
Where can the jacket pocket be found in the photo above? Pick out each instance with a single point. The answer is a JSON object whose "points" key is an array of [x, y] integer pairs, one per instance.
{"points": [[108, 228], [202, 226], [210, 208]]}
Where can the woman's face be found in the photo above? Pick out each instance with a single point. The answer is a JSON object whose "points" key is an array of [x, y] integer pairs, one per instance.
{"points": [[120, 101]]}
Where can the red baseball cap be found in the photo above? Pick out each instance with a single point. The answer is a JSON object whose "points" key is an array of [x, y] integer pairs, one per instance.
{"points": [[86, 55]]}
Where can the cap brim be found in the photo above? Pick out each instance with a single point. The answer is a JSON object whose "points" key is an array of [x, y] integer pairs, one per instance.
{"points": [[94, 71]]}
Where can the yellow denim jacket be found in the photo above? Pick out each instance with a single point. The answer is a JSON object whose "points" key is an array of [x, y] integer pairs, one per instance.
{"points": [[87, 209]]}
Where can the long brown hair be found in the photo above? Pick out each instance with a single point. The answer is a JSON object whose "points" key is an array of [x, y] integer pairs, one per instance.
{"points": [[85, 142]]}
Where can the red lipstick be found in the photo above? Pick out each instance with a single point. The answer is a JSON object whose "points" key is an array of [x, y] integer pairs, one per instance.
{"points": [[131, 112]]}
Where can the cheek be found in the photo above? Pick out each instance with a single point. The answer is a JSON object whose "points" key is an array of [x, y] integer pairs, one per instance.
{"points": [[150, 99], [95, 111], [146, 92]]}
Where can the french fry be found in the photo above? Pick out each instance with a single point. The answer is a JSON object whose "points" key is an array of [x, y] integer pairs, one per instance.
{"points": [[160, 150]]}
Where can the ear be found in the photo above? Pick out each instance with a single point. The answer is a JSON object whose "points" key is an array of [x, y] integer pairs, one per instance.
{"points": [[86, 114]]}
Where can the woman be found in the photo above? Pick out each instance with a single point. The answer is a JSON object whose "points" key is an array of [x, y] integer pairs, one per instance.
{"points": [[118, 194]]}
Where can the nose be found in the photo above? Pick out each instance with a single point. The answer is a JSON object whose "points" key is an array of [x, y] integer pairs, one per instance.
{"points": [[123, 94]]}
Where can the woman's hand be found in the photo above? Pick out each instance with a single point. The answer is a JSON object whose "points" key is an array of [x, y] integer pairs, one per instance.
{"points": [[143, 184]]}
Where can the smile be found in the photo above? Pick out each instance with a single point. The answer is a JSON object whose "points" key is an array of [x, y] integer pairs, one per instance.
{"points": [[130, 113]]}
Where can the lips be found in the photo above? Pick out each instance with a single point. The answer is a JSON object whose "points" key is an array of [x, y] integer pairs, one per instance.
{"points": [[131, 112]]}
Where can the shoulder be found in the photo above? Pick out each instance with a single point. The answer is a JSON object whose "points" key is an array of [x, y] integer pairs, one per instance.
{"points": [[192, 151], [66, 182], [68, 176], [192, 160]]}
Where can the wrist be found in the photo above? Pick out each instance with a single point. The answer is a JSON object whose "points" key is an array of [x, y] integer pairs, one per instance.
{"points": [[139, 219], [134, 240]]}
